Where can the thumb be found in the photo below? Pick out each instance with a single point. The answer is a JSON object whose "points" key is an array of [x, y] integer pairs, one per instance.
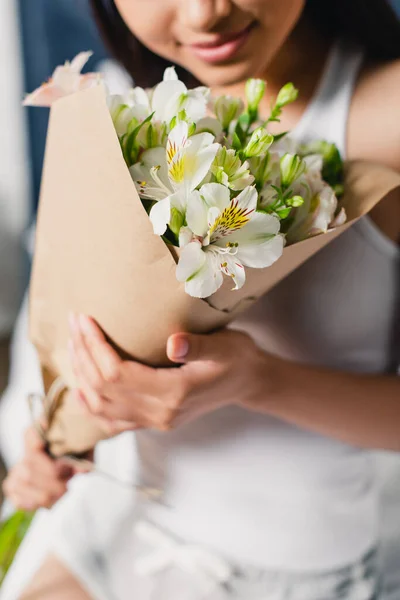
{"points": [[185, 347]]}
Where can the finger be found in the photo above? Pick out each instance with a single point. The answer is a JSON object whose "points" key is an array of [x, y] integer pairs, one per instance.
{"points": [[28, 498], [41, 465], [82, 361], [102, 353], [38, 480], [33, 441], [111, 427], [185, 348], [92, 402]]}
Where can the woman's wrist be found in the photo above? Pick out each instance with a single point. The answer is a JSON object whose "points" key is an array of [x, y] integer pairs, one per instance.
{"points": [[270, 377]]}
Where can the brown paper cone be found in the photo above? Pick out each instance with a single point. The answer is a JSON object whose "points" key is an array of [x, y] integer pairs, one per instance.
{"points": [[96, 252]]}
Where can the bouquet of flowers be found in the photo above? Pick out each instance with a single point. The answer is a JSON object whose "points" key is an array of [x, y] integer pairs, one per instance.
{"points": [[169, 210], [215, 183]]}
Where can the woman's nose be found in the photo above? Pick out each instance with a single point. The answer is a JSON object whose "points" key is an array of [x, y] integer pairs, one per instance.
{"points": [[203, 15]]}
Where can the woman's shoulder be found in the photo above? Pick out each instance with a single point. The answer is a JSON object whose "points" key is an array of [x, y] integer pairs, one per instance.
{"points": [[374, 125]]}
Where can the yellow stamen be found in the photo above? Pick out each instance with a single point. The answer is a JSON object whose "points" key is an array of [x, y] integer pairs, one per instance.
{"points": [[232, 219]]}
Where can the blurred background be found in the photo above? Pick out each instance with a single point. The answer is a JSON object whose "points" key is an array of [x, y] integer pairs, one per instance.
{"points": [[35, 37]]}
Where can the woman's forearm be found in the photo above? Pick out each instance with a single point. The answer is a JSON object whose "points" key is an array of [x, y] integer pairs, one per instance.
{"points": [[363, 410]]}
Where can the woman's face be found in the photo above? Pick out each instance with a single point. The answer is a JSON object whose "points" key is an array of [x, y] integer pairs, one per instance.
{"points": [[220, 41]]}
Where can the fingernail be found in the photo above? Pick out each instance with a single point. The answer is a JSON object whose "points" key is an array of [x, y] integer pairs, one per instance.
{"points": [[72, 321], [84, 324], [180, 347]]}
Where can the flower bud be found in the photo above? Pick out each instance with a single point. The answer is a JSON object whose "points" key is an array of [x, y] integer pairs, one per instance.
{"points": [[255, 89], [121, 114], [287, 95], [176, 221], [259, 142], [228, 108], [295, 202], [292, 166]]}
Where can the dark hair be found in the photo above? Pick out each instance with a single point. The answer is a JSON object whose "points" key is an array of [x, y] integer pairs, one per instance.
{"points": [[372, 24]]}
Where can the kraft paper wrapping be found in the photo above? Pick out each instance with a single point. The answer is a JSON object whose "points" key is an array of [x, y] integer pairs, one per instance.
{"points": [[96, 253]]}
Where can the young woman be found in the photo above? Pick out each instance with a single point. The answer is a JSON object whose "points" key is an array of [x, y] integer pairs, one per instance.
{"points": [[269, 492]]}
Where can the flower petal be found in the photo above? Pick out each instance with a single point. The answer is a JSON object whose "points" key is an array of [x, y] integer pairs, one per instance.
{"points": [[191, 260], [165, 99], [170, 74], [155, 157], [233, 268], [160, 215], [199, 168], [199, 270], [209, 125], [216, 195], [80, 61], [340, 219], [43, 96], [259, 229], [66, 79], [196, 214], [195, 104], [185, 236], [177, 141], [200, 141], [325, 211], [247, 199], [89, 80], [261, 255]]}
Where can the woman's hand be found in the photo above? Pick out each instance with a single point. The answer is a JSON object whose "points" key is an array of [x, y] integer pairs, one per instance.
{"points": [[217, 369], [37, 481]]}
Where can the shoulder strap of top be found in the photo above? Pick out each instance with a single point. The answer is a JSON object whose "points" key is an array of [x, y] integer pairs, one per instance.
{"points": [[327, 114]]}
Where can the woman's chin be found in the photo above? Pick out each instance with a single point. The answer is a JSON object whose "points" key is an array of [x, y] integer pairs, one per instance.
{"points": [[224, 74]]}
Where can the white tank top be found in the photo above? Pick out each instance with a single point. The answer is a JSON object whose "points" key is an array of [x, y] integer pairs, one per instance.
{"points": [[261, 491]]}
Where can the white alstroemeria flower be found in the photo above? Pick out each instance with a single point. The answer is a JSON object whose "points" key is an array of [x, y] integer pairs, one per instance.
{"points": [[230, 171], [171, 96], [222, 237], [66, 80], [123, 111], [210, 125], [170, 174], [317, 214]]}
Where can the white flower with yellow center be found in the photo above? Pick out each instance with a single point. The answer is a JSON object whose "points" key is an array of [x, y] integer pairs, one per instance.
{"points": [[168, 175], [223, 236]]}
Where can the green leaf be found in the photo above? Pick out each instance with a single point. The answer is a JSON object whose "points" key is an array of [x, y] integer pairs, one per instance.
{"points": [[236, 143], [12, 533], [130, 146], [279, 136]]}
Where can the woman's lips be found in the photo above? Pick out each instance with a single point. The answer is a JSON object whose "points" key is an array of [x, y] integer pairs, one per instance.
{"points": [[222, 48]]}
